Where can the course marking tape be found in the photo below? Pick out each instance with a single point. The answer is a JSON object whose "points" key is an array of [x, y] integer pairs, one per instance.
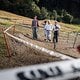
{"points": [[61, 70]]}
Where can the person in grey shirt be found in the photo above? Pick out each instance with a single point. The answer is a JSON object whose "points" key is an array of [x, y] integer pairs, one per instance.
{"points": [[35, 26]]}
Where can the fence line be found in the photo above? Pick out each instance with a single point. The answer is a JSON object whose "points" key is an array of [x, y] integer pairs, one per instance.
{"points": [[62, 56], [67, 36]]}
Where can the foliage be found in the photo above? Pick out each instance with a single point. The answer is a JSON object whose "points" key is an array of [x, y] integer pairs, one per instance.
{"points": [[55, 14], [59, 18], [52, 9], [44, 13], [76, 21], [35, 9], [68, 18], [63, 12]]}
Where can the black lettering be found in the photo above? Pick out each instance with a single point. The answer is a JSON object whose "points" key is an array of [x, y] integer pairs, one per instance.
{"points": [[75, 69], [59, 71], [51, 70], [21, 76], [53, 73], [32, 73], [43, 73]]}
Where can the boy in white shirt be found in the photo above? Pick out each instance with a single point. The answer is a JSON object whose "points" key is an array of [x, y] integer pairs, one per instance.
{"points": [[44, 25], [48, 28]]}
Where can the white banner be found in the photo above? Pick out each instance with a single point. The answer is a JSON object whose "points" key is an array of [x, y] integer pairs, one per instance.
{"points": [[62, 70]]}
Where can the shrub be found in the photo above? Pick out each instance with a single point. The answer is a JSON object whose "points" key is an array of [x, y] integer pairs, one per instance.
{"points": [[55, 14], [63, 13], [35, 9], [67, 18], [44, 13], [59, 18], [76, 21]]}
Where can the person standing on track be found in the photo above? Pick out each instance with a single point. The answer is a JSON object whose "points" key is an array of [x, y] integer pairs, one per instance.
{"points": [[35, 26], [56, 28], [44, 26], [48, 28]]}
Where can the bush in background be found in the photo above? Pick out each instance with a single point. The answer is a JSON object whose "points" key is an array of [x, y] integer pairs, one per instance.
{"points": [[43, 13], [67, 18], [55, 14], [76, 21]]}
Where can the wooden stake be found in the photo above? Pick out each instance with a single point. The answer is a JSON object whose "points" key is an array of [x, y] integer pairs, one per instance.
{"points": [[13, 29], [7, 46], [68, 37], [75, 39]]}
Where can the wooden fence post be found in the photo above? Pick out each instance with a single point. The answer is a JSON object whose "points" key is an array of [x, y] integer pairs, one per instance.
{"points": [[68, 37], [6, 43], [13, 29], [75, 39]]}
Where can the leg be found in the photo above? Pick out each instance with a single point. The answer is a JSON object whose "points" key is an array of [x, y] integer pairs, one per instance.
{"points": [[56, 36], [54, 39], [34, 33], [45, 33], [49, 35]]}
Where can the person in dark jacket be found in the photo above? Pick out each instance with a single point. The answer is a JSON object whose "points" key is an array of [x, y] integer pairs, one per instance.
{"points": [[56, 29]]}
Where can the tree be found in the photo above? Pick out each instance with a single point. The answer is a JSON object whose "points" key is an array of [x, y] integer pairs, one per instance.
{"points": [[68, 18], [36, 1], [55, 14], [44, 13], [35, 9]]}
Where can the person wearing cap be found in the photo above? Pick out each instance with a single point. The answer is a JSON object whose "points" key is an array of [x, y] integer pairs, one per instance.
{"points": [[35, 26], [56, 28]]}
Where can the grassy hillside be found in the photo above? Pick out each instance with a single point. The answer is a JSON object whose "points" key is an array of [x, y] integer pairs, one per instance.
{"points": [[2, 44], [7, 19]]}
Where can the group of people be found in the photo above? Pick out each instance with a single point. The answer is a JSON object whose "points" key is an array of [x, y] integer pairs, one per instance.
{"points": [[48, 29]]}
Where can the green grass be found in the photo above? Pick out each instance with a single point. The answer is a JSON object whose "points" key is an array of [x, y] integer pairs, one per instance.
{"points": [[6, 24], [2, 45], [70, 28]]}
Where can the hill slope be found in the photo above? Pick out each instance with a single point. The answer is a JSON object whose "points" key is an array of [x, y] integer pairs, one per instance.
{"points": [[7, 19]]}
